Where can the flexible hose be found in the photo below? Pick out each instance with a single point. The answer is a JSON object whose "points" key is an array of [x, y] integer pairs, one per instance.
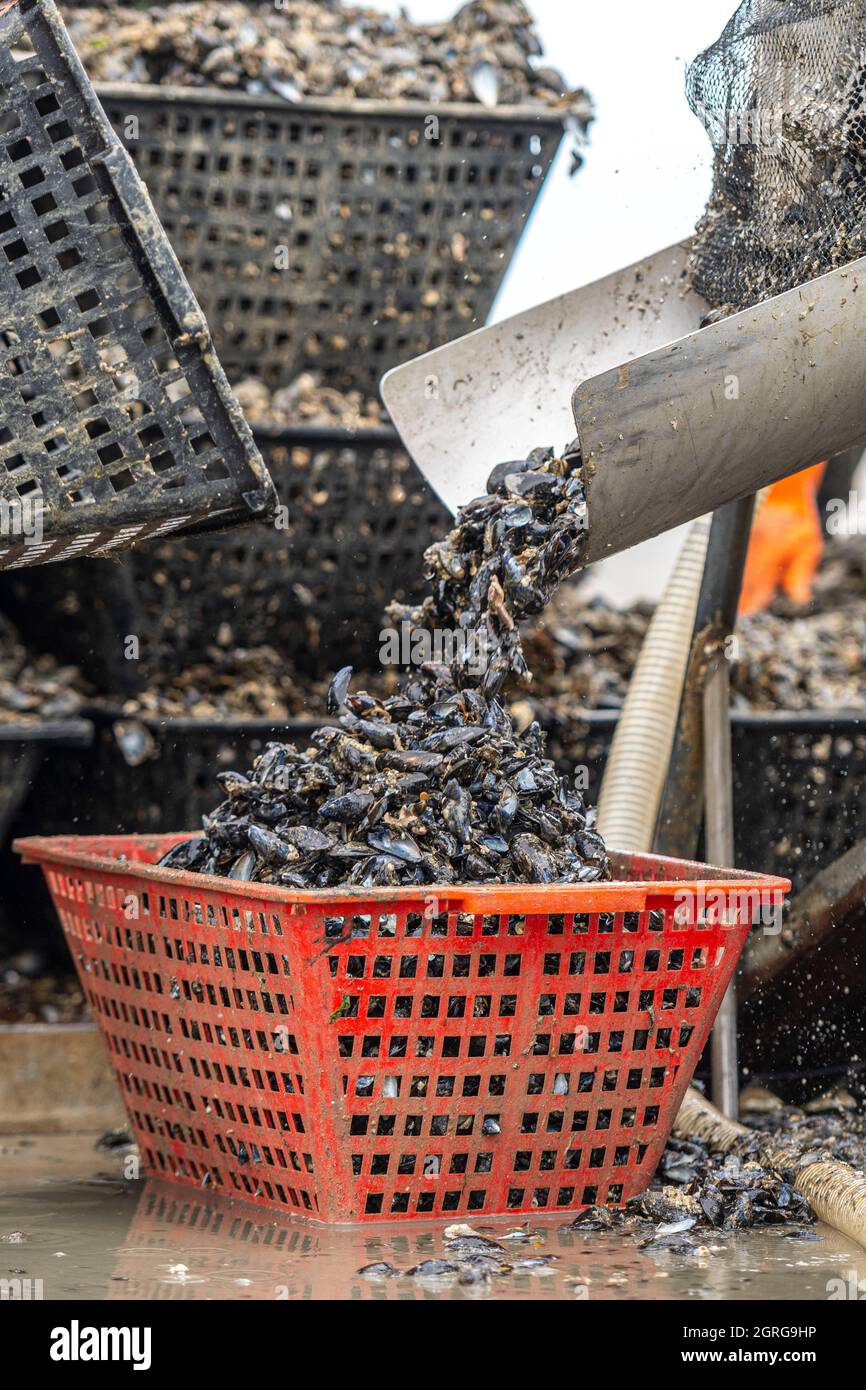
{"points": [[835, 1191], [699, 1119], [837, 1195], [640, 754]]}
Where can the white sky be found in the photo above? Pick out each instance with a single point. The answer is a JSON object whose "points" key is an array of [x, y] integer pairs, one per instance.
{"points": [[648, 167], [644, 183]]}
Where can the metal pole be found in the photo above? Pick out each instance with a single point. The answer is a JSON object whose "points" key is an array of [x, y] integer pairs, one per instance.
{"points": [[719, 837], [679, 823], [701, 773]]}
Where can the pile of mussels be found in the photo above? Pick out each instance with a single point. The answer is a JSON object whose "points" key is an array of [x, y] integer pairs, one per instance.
{"points": [[487, 52], [232, 683], [433, 784], [306, 401], [789, 657], [34, 687], [698, 1191]]}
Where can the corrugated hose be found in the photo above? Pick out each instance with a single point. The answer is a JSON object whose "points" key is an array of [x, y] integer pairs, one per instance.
{"points": [[637, 766]]}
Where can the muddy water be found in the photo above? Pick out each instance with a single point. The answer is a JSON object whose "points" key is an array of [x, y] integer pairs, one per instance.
{"points": [[68, 1217]]}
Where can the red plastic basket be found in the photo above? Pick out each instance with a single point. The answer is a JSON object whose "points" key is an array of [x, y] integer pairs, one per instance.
{"points": [[401, 1054]]}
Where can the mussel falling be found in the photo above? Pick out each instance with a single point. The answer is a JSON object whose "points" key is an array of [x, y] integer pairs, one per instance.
{"points": [[434, 784]]}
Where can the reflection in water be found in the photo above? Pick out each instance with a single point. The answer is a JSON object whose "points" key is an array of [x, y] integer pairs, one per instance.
{"points": [[89, 1236], [201, 1246], [178, 1242]]}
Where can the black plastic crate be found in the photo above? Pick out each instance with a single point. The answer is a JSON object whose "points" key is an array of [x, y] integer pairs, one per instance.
{"points": [[799, 781], [116, 421], [395, 242], [360, 518], [93, 790], [799, 785], [26, 750], [22, 748], [96, 791]]}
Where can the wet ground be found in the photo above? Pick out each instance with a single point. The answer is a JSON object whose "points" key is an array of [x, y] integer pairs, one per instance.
{"points": [[69, 1218]]}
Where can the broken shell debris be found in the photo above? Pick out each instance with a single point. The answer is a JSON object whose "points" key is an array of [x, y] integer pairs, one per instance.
{"points": [[474, 1258]]}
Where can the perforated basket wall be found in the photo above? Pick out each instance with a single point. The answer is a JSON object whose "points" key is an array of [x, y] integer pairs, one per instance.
{"points": [[116, 420], [799, 785], [360, 518], [395, 1055], [22, 748], [393, 242], [95, 790]]}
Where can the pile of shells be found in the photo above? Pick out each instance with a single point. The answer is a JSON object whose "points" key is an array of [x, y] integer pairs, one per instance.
{"points": [[842, 576], [307, 402], [826, 1128], [488, 52], [35, 688], [433, 784], [233, 683], [811, 658], [45, 998], [430, 786], [586, 650], [814, 662], [697, 1191]]}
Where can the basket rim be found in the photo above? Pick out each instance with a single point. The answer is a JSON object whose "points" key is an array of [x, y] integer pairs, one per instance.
{"points": [[847, 720], [212, 96], [109, 713], [842, 721], [75, 731], [324, 434], [81, 852]]}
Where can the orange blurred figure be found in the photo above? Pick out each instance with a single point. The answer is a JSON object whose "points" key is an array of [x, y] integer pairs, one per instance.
{"points": [[787, 543]]}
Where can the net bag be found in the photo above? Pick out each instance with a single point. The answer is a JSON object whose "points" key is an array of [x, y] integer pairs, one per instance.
{"points": [[781, 94]]}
